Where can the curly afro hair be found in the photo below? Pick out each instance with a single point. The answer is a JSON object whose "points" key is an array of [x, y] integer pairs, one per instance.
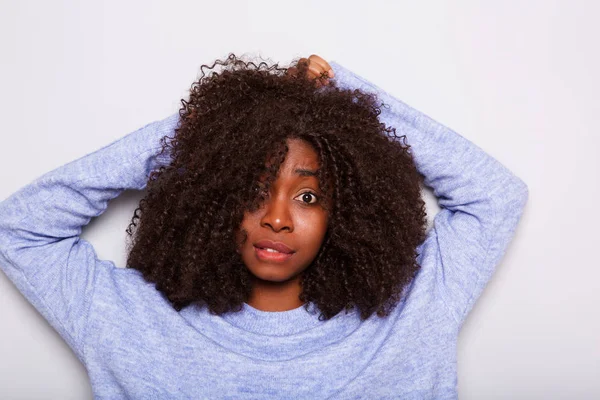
{"points": [[185, 238]]}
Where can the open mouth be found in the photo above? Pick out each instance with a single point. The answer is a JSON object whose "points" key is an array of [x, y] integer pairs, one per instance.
{"points": [[266, 254]]}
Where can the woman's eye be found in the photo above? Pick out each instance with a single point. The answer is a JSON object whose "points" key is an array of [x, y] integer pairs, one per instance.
{"points": [[306, 197]]}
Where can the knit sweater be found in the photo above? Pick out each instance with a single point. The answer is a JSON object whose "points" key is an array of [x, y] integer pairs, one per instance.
{"points": [[135, 345]]}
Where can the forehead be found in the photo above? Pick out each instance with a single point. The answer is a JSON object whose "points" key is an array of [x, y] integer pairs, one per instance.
{"points": [[300, 154], [301, 161]]}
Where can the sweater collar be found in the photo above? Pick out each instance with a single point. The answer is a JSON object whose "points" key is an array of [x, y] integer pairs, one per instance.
{"points": [[275, 323], [273, 335]]}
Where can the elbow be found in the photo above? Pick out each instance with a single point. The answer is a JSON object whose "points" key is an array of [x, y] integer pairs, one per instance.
{"points": [[515, 196], [511, 196], [522, 191]]}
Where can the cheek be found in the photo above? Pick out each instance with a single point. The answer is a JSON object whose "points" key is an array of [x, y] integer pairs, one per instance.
{"points": [[313, 229]]}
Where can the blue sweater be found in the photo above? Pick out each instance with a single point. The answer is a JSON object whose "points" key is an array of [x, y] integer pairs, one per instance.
{"points": [[135, 345]]}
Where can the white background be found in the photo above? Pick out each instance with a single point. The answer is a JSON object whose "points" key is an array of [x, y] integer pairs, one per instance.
{"points": [[518, 78]]}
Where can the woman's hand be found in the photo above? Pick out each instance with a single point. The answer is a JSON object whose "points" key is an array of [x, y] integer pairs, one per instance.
{"points": [[317, 68]]}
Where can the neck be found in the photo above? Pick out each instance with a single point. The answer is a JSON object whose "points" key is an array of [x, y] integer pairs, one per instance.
{"points": [[275, 296]]}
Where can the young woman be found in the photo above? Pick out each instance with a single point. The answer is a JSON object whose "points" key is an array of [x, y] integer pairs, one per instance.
{"points": [[280, 251]]}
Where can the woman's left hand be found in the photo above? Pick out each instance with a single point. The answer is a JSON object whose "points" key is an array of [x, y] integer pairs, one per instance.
{"points": [[317, 67]]}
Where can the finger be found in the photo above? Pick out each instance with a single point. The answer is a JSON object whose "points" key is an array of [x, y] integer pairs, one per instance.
{"points": [[315, 70], [315, 66], [322, 63], [303, 60], [311, 69], [292, 71]]}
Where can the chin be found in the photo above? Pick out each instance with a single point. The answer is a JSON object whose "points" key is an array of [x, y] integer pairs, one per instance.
{"points": [[272, 273], [270, 276]]}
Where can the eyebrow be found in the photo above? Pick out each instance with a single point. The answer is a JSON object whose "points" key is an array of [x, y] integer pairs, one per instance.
{"points": [[305, 172]]}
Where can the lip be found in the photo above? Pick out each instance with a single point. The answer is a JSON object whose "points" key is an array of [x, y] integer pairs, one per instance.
{"points": [[265, 255], [280, 247]]}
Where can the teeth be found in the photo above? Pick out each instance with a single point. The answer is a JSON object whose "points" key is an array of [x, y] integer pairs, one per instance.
{"points": [[271, 250]]}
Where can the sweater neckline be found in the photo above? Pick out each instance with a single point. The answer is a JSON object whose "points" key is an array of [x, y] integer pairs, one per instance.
{"points": [[275, 323], [273, 335]]}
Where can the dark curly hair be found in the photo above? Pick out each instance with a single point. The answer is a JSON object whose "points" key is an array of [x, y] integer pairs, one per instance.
{"points": [[185, 237]]}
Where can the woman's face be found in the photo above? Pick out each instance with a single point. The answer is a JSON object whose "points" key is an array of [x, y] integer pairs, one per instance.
{"points": [[291, 214]]}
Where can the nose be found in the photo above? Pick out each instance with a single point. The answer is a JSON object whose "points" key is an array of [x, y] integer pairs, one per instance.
{"points": [[277, 215]]}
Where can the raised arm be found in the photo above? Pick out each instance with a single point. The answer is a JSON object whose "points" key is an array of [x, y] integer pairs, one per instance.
{"points": [[482, 201], [40, 248]]}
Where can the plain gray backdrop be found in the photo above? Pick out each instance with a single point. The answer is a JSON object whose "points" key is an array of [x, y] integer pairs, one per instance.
{"points": [[517, 78]]}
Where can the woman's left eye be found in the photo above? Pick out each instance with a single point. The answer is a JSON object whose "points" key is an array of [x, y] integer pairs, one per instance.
{"points": [[307, 196]]}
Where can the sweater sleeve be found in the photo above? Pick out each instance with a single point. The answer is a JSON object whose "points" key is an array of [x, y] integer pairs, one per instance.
{"points": [[40, 248], [481, 200]]}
